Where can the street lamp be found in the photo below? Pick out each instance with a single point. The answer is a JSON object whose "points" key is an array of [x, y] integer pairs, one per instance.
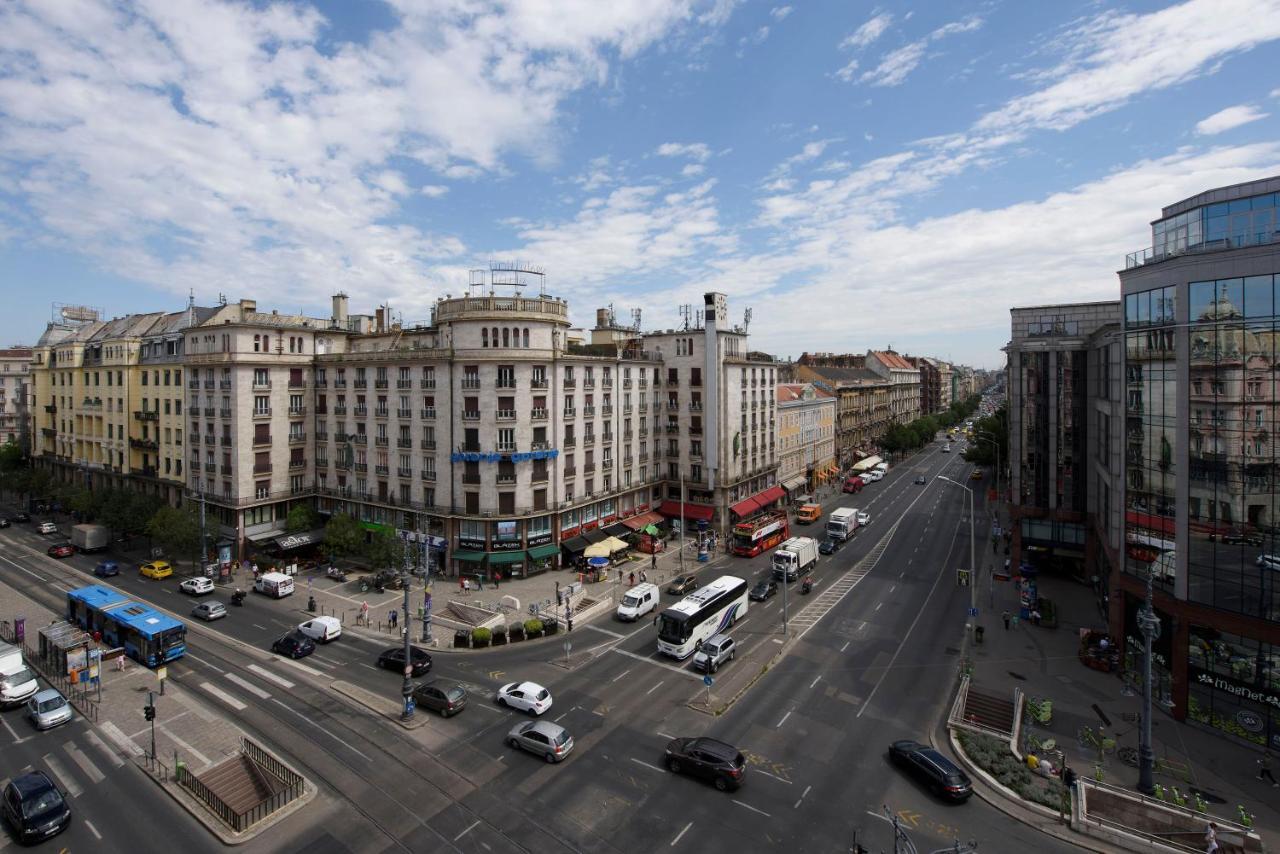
{"points": [[973, 567], [1149, 626], [406, 689]]}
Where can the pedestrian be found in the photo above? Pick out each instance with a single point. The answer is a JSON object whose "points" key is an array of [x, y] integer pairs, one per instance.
{"points": [[1005, 617], [631, 579], [643, 577], [1264, 768], [653, 560], [462, 583], [497, 579], [255, 571], [391, 617], [364, 613], [619, 576], [570, 621], [1211, 838]]}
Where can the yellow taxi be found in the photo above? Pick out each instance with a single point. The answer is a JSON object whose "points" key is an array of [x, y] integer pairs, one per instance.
{"points": [[977, 474], [156, 569]]}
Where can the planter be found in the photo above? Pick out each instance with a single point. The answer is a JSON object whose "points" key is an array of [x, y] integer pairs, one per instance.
{"points": [[481, 637], [532, 635], [515, 632], [500, 637], [550, 627], [462, 639]]}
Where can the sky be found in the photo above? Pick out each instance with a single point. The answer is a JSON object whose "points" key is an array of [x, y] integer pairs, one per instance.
{"points": [[858, 175]]}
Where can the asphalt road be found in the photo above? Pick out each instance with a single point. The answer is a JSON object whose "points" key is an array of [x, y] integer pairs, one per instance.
{"points": [[880, 666]]}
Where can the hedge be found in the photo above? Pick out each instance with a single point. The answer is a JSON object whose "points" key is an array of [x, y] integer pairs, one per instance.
{"points": [[993, 756], [481, 637]]}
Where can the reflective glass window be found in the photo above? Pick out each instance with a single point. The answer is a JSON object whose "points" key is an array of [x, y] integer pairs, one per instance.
{"points": [[1258, 296]]}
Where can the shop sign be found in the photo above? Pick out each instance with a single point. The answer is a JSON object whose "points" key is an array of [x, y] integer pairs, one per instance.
{"points": [[566, 533], [607, 519], [505, 546], [489, 457], [471, 545], [539, 539], [1231, 686], [590, 526], [1250, 721]]}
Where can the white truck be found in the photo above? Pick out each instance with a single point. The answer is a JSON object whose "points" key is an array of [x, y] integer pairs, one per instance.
{"points": [[842, 523], [793, 557], [90, 538]]}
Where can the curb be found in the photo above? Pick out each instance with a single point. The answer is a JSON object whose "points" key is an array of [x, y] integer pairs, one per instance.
{"points": [[381, 706]]}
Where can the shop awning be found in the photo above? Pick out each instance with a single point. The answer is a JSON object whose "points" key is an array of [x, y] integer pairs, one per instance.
{"points": [[745, 507], [770, 495], [638, 523], [503, 558], [697, 512], [600, 549], [617, 529], [297, 541], [465, 554], [868, 463], [616, 545], [575, 545], [543, 552], [792, 484], [596, 536]]}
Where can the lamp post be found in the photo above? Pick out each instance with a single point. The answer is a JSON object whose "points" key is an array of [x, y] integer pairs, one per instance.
{"points": [[1149, 626], [406, 689], [983, 436], [973, 568]]}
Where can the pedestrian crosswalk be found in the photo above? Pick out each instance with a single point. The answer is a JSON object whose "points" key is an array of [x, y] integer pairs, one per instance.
{"points": [[835, 592]]}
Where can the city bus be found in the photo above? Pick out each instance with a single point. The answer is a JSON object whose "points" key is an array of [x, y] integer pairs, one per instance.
{"points": [[759, 534], [701, 614], [146, 635]]}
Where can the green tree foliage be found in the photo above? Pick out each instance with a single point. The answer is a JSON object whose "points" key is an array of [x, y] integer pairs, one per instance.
{"points": [[177, 531], [301, 518], [343, 535], [385, 551]]}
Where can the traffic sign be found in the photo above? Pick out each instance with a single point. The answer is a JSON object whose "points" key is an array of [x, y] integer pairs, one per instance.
{"points": [[973, 612], [708, 681]]}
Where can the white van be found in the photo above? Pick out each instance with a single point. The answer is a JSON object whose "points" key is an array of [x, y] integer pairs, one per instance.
{"points": [[322, 629], [17, 681], [277, 585], [638, 601]]}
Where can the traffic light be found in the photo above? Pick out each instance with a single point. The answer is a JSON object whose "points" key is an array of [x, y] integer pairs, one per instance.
{"points": [[962, 578], [149, 712]]}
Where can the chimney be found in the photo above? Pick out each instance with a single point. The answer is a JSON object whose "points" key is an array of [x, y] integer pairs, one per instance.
{"points": [[248, 306], [379, 314], [340, 309], [602, 318]]}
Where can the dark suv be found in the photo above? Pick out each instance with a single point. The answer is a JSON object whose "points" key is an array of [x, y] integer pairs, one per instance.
{"points": [[931, 768], [709, 759], [35, 807]]}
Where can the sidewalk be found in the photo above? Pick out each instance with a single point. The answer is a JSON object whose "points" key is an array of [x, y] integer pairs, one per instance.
{"points": [[1043, 663]]}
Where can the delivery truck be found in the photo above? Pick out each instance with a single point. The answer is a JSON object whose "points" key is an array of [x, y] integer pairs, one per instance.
{"points": [[842, 523], [90, 538], [793, 557]]}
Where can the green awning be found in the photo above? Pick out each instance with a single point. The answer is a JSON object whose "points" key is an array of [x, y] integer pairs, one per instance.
{"points": [[543, 551], [500, 558], [463, 554]]}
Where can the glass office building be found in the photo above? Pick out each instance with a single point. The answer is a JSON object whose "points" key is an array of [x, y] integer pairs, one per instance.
{"points": [[1202, 346]]}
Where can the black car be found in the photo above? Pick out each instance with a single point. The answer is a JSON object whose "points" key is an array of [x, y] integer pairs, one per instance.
{"points": [[20, 517], [932, 769], [1239, 538], [921, 479], [295, 645], [441, 695], [682, 585], [34, 807], [709, 759], [829, 546], [764, 588], [393, 659]]}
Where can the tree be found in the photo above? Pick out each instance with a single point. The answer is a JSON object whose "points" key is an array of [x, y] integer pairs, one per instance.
{"points": [[343, 535], [385, 551], [177, 531], [80, 500], [301, 518]]}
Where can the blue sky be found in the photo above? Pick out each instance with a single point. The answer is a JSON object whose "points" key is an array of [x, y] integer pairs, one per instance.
{"points": [[860, 175]]}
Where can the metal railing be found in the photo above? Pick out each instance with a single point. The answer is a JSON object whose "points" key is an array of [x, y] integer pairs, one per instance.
{"points": [[292, 782], [77, 693]]}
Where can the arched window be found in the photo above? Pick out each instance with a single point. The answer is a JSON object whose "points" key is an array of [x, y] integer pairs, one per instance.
{"points": [[495, 336], [484, 336], [526, 338], [506, 337]]}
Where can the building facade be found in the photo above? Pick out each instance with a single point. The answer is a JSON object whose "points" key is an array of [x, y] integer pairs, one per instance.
{"points": [[806, 436], [863, 400], [904, 382], [15, 392], [1201, 328]]}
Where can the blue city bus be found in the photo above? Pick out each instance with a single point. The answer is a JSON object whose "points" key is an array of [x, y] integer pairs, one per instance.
{"points": [[146, 635]]}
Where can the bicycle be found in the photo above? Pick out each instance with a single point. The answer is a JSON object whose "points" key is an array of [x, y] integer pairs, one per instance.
{"points": [[1088, 737]]}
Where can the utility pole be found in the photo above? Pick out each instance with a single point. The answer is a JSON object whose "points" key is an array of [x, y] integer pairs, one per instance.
{"points": [[682, 523], [973, 563], [406, 689], [1149, 626]]}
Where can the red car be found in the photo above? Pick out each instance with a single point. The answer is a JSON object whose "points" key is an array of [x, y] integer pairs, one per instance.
{"points": [[853, 484], [62, 550]]}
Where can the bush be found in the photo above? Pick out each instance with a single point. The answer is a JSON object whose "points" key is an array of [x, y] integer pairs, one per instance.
{"points": [[481, 637], [533, 628], [550, 626], [500, 636], [515, 632], [994, 757], [461, 639]]}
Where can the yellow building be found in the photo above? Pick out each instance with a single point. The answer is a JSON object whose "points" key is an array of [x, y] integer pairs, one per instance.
{"points": [[806, 436]]}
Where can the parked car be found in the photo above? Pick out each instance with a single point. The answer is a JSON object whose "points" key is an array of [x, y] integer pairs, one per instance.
{"points": [[764, 588], [713, 652], [548, 740], [864, 518], [829, 546], [1271, 562], [20, 517], [295, 645], [322, 629], [197, 586], [921, 479], [47, 528], [106, 569], [441, 695], [525, 696], [683, 585], [61, 550], [393, 659], [977, 475], [871, 476], [48, 709], [209, 611], [156, 569], [1239, 537], [709, 759], [34, 807], [932, 769]]}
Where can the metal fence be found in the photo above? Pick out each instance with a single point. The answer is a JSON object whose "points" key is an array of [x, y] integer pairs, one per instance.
{"points": [[293, 785], [77, 693]]}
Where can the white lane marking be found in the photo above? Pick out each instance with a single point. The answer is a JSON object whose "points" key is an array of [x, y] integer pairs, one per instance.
{"points": [[784, 719], [670, 667], [846, 646], [490, 708], [322, 729], [223, 696], [469, 828], [815, 681], [16, 740], [606, 632], [324, 662], [681, 833], [60, 774], [777, 640], [802, 794], [620, 675], [122, 741], [86, 764], [664, 735], [562, 714], [311, 671], [878, 604], [774, 776], [655, 687], [893, 588], [279, 680], [92, 829], [753, 809], [647, 765], [205, 663], [249, 686], [111, 755], [264, 628]]}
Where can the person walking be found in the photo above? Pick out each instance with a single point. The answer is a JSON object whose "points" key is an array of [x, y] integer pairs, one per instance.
{"points": [[631, 579], [653, 561], [1211, 838], [643, 577], [364, 614], [391, 617], [1005, 617], [1264, 769], [497, 579]]}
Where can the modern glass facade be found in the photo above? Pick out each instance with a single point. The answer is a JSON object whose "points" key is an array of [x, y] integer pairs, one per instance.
{"points": [[1247, 221]]}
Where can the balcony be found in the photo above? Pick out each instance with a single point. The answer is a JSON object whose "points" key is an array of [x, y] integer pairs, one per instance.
{"points": [[541, 446], [381, 412], [322, 436], [262, 468], [539, 476], [359, 438], [626, 383], [588, 440], [471, 382], [428, 413], [506, 478], [470, 415], [208, 384], [627, 436], [340, 409], [607, 438], [695, 406], [644, 383], [570, 382], [322, 410], [208, 412], [571, 413], [404, 442], [297, 438], [427, 444], [644, 407], [382, 471], [403, 472], [428, 476], [538, 414], [606, 410], [144, 444], [505, 383], [340, 382], [695, 431], [404, 413], [195, 439], [644, 456], [297, 464], [570, 442], [145, 415], [360, 384], [261, 384], [538, 382], [224, 413], [673, 429], [506, 447], [299, 383], [320, 382], [194, 385], [361, 411], [226, 470], [404, 383], [588, 411], [48, 431], [505, 414], [607, 382], [673, 406], [626, 410], [570, 471], [471, 480], [260, 441], [381, 441], [297, 410], [427, 384], [194, 465], [225, 385], [262, 413], [50, 408], [361, 467], [225, 441], [589, 468], [380, 383], [469, 448]]}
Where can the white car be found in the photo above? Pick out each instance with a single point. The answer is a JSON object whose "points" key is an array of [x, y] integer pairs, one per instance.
{"points": [[322, 629], [47, 528], [864, 518], [526, 696], [1271, 562], [196, 586], [871, 476]]}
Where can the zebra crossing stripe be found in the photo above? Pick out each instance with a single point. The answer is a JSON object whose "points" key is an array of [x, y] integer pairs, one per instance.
{"points": [[60, 774], [86, 764], [112, 756]]}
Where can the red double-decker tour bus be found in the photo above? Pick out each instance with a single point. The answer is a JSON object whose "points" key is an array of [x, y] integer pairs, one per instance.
{"points": [[759, 534]]}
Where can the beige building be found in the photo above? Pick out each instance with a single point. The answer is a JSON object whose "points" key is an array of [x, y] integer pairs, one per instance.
{"points": [[904, 381], [15, 391], [806, 436]]}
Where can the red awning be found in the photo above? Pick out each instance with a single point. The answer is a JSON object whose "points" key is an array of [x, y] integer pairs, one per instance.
{"points": [[1150, 521], [770, 495], [745, 507], [638, 523], [696, 512]]}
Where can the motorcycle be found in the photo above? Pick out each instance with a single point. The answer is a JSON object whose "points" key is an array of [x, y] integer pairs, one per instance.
{"points": [[335, 573], [237, 598], [806, 585]]}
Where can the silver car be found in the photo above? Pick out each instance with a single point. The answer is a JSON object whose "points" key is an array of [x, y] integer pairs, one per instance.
{"points": [[548, 740], [48, 709], [209, 611]]}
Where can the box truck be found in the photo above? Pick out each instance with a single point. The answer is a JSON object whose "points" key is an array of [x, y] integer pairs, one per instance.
{"points": [[842, 523], [794, 556], [90, 538]]}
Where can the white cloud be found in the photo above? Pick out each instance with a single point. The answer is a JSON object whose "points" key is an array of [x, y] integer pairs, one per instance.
{"points": [[756, 38], [691, 170], [779, 13], [869, 31], [1231, 117], [1275, 93], [897, 65], [433, 191], [847, 72], [694, 150]]}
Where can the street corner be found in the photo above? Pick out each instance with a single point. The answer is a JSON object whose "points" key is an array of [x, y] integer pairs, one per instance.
{"points": [[380, 704]]}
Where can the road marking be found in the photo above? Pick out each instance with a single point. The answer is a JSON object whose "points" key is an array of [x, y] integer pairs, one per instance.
{"points": [[878, 604], [322, 729], [753, 809], [470, 827], [664, 735], [86, 764], [122, 741], [620, 675], [92, 829], [562, 714], [784, 719], [815, 680], [893, 588], [264, 628], [223, 696], [802, 794], [759, 770], [490, 708], [249, 686], [279, 680], [205, 663], [111, 755], [655, 687], [60, 773], [606, 632], [16, 740], [323, 662], [777, 640], [670, 667], [647, 765], [680, 834], [846, 646], [308, 670]]}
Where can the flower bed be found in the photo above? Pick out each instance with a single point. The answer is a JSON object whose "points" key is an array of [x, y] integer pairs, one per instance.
{"points": [[994, 756]]}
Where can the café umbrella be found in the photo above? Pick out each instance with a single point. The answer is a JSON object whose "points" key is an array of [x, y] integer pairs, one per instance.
{"points": [[600, 549]]}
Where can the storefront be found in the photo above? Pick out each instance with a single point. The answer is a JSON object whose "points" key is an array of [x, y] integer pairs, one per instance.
{"points": [[542, 557], [510, 563], [1233, 685]]}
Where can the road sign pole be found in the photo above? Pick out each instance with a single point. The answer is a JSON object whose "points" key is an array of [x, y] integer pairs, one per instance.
{"points": [[568, 647]]}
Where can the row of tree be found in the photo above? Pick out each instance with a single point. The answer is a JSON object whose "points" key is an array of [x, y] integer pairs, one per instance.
{"points": [[918, 433], [996, 427]]}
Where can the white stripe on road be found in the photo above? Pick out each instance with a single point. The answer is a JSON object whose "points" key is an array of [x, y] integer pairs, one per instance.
{"points": [[620, 675], [86, 764], [322, 729], [205, 663], [16, 740], [92, 829], [311, 671], [681, 833], [223, 696], [753, 809], [267, 674], [249, 686], [264, 628], [122, 741], [655, 687], [112, 756], [647, 765], [468, 830], [60, 774], [774, 776], [846, 646], [605, 632], [648, 660], [802, 794], [815, 681], [784, 719]]}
